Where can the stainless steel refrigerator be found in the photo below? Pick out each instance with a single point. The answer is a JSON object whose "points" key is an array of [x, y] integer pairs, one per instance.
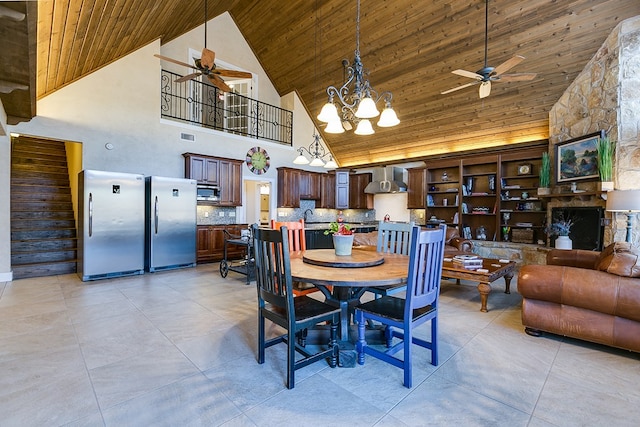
{"points": [[170, 226], [111, 224]]}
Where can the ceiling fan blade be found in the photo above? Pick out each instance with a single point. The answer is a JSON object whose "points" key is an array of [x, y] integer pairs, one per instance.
{"points": [[459, 87], [508, 64], [187, 77], [465, 73], [519, 77], [218, 82], [175, 61], [485, 89], [208, 58], [233, 73]]}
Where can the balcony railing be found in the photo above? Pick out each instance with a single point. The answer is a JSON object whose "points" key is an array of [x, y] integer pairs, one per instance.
{"points": [[202, 104]]}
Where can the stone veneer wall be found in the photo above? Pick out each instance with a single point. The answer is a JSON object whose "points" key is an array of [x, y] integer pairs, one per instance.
{"points": [[606, 95]]}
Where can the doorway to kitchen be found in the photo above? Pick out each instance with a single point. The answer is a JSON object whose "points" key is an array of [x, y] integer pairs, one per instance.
{"points": [[258, 201]]}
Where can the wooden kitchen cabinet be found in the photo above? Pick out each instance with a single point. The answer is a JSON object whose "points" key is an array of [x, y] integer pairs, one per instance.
{"points": [[417, 188], [328, 191], [224, 173], [230, 183], [203, 169], [358, 199], [310, 185], [288, 188], [210, 243]]}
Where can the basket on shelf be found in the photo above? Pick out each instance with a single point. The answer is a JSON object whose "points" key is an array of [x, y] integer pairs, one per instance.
{"points": [[522, 235]]}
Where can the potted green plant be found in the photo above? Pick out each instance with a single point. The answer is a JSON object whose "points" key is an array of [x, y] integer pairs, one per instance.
{"points": [[342, 238], [606, 152], [545, 175]]}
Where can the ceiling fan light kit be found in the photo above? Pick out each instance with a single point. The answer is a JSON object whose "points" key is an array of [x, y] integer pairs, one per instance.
{"points": [[488, 74], [357, 99]]}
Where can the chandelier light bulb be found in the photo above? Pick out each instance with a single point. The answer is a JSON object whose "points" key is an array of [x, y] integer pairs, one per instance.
{"points": [[301, 160], [367, 109], [328, 113], [388, 118], [316, 162], [364, 128], [334, 126], [331, 164]]}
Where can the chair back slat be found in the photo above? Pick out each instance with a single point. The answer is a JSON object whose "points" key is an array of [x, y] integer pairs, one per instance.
{"points": [[425, 268], [273, 267], [394, 237], [297, 239]]}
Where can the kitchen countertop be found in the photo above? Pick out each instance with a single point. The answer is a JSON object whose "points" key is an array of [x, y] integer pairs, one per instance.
{"points": [[325, 225]]}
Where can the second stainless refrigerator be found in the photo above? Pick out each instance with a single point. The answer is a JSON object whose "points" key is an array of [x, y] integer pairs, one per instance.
{"points": [[170, 227]]}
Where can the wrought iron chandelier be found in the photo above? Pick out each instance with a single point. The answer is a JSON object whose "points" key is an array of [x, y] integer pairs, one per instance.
{"points": [[317, 152], [357, 98]]}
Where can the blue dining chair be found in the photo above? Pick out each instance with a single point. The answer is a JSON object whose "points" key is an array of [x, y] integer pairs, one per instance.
{"points": [[393, 238], [276, 303], [400, 316]]}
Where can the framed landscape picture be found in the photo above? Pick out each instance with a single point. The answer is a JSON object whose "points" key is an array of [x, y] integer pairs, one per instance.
{"points": [[578, 158]]}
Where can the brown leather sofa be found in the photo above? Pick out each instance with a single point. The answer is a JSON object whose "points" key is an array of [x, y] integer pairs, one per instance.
{"points": [[454, 244], [584, 294]]}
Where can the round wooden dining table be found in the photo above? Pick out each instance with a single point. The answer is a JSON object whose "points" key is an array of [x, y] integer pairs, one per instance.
{"points": [[348, 276]]}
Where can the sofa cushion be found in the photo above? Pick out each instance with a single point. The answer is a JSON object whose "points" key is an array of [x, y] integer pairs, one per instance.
{"points": [[621, 259]]}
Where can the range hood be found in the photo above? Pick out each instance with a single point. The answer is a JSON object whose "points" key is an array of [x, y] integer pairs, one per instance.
{"points": [[387, 180]]}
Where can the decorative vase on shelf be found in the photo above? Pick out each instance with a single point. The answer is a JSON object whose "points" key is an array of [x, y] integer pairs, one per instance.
{"points": [[564, 242], [343, 244]]}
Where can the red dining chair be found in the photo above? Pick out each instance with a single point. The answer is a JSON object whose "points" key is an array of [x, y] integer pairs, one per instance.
{"points": [[277, 303], [401, 316], [297, 242]]}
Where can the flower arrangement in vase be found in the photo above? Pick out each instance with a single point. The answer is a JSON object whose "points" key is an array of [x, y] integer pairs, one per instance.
{"points": [[606, 151], [561, 228], [342, 238]]}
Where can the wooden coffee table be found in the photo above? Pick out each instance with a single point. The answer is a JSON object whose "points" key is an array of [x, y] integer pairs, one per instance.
{"points": [[494, 270]]}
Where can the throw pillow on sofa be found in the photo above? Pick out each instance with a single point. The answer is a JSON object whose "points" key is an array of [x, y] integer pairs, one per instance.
{"points": [[621, 259]]}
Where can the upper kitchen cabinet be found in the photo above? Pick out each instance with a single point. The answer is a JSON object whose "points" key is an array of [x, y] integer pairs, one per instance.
{"points": [[310, 185], [288, 188], [417, 188], [203, 169], [226, 174], [358, 199], [342, 190], [327, 191], [230, 182]]}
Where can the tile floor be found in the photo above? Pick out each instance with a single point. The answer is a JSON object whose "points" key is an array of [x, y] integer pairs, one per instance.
{"points": [[177, 348]]}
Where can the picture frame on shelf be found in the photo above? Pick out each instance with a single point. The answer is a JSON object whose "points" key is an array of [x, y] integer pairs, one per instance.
{"points": [[577, 159]]}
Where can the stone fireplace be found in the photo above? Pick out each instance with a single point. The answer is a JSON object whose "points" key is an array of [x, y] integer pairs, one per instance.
{"points": [[587, 231]]}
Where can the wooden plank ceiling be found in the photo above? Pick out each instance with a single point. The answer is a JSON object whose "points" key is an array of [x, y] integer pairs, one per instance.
{"points": [[410, 48]]}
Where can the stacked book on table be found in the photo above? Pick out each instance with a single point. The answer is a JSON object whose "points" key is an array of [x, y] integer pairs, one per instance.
{"points": [[470, 262]]}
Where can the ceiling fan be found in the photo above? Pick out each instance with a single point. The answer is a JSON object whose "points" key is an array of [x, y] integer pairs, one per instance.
{"points": [[206, 66], [488, 74]]}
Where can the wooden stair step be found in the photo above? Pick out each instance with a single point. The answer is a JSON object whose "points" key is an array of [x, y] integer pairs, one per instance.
{"points": [[36, 197], [21, 258], [30, 159], [40, 180], [41, 205], [17, 168], [38, 188], [29, 214], [21, 224], [44, 269], [38, 234], [18, 246]]}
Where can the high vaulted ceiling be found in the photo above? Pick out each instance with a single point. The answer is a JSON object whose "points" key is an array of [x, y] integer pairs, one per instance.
{"points": [[410, 48]]}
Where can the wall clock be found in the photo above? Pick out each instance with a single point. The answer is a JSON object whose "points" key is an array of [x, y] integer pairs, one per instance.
{"points": [[258, 160]]}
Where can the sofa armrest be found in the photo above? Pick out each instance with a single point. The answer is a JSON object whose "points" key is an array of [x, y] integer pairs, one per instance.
{"points": [[463, 245], [573, 258]]}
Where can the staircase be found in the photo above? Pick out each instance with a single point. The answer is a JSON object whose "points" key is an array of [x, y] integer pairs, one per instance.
{"points": [[43, 229]]}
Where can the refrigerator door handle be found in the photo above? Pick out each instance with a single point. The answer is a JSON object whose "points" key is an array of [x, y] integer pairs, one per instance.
{"points": [[90, 214], [155, 214]]}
